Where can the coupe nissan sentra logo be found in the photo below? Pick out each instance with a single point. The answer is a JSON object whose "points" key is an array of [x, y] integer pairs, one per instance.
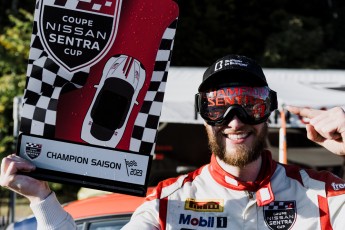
{"points": [[77, 33]]}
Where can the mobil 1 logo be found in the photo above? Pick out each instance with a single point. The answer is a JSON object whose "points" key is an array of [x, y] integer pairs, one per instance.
{"points": [[203, 222], [77, 33]]}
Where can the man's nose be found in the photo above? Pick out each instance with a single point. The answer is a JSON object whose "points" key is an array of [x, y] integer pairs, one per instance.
{"points": [[235, 123]]}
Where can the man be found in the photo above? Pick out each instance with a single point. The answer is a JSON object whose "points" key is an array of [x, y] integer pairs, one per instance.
{"points": [[242, 187]]}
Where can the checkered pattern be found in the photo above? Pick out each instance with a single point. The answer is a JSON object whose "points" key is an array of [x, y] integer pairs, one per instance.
{"points": [[145, 127], [100, 6], [44, 84], [280, 205], [33, 145]]}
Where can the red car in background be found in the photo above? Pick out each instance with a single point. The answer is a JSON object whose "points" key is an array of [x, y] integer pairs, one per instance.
{"points": [[108, 211], [111, 211]]}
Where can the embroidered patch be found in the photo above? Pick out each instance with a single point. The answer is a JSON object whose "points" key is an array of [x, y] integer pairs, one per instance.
{"points": [[338, 186], [204, 222], [280, 215], [211, 205]]}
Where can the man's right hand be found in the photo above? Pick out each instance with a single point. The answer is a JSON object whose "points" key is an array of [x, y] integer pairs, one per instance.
{"points": [[10, 177]]}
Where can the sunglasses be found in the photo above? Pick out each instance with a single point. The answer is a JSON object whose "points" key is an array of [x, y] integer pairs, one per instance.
{"points": [[252, 105]]}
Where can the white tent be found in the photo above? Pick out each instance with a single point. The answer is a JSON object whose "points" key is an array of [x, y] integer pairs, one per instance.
{"points": [[311, 88]]}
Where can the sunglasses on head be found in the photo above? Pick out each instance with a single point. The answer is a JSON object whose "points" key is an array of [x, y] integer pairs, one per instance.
{"points": [[252, 105]]}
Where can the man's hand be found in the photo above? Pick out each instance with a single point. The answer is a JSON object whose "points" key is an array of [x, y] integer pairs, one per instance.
{"points": [[29, 187], [326, 127]]}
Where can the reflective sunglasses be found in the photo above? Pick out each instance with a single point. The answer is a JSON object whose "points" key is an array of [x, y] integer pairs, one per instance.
{"points": [[252, 105]]}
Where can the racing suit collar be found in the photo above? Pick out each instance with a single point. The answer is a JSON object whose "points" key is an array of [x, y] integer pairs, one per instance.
{"points": [[261, 186]]}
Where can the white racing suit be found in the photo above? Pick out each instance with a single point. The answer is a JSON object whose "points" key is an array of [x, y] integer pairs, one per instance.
{"points": [[283, 197]]}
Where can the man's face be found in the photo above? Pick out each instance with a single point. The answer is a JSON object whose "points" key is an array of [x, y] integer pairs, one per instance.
{"points": [[236, 143]]}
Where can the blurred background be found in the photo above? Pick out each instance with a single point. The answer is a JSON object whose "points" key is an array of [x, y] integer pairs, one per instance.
{"points": [[277, 33]]}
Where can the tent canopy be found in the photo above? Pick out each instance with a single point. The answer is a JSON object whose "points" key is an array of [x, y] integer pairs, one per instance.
{"points": [[311, 88]]}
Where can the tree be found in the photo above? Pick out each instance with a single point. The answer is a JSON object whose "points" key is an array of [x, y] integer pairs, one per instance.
{"points": [[289, 34], [14, 47], [11, 7], [306, 34]]}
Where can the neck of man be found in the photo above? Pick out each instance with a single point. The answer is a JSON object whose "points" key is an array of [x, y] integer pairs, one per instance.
{"points": [[247, 173]]}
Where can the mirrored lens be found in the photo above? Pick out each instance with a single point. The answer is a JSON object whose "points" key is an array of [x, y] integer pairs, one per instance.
{"points": [[215, 104]]}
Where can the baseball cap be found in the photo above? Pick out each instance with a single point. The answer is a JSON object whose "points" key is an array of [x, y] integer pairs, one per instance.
{"points": [[233, 70]]}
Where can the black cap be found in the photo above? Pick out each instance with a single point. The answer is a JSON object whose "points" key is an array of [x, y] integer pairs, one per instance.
{"points": [[233, 70]]}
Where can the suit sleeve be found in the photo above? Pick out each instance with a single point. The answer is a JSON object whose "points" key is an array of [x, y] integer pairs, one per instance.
{"points": [[145, 217], [51, 216]]}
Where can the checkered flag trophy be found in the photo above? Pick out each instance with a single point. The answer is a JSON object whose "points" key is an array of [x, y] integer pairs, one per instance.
{"points": [[95, 85], [47, 80]]}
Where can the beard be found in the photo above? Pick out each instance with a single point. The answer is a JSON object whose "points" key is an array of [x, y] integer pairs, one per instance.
{"points": [[243, 154]]}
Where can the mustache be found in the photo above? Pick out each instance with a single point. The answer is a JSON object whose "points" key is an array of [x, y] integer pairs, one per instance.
{"points": [[241, 130]]}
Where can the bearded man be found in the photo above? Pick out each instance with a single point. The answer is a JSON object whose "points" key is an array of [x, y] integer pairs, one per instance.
{"points": [[242, 187]]}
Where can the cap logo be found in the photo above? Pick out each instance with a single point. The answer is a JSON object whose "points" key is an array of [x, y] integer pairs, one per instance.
{"points": [[219, 65]]}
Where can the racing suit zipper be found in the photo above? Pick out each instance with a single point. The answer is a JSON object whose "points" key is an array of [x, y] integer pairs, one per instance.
{"points": [[249, 215], [250, 195]]}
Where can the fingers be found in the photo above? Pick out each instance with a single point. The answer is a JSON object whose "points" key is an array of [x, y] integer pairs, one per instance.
{"points": [[33, 189], [325, 127], [313, 135], [328, 125], [10, 166], [325, 123], [304, 112], [17, 164]]}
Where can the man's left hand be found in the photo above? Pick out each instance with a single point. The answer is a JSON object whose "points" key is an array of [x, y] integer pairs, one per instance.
{"points": [[326, 127]]}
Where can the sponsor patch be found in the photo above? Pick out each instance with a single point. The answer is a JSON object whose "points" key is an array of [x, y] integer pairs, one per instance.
{"points": [[204, 222], [338, 186], [33, 150], [280, 215], [212, 205]]}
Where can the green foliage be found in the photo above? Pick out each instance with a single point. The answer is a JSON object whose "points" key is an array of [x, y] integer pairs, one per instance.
{"points": [[15, 44], [10, 86], [14, 50], [297, 45]]}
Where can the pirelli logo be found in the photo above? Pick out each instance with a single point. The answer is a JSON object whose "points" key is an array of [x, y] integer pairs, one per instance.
{"points": [[211, 205]]}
